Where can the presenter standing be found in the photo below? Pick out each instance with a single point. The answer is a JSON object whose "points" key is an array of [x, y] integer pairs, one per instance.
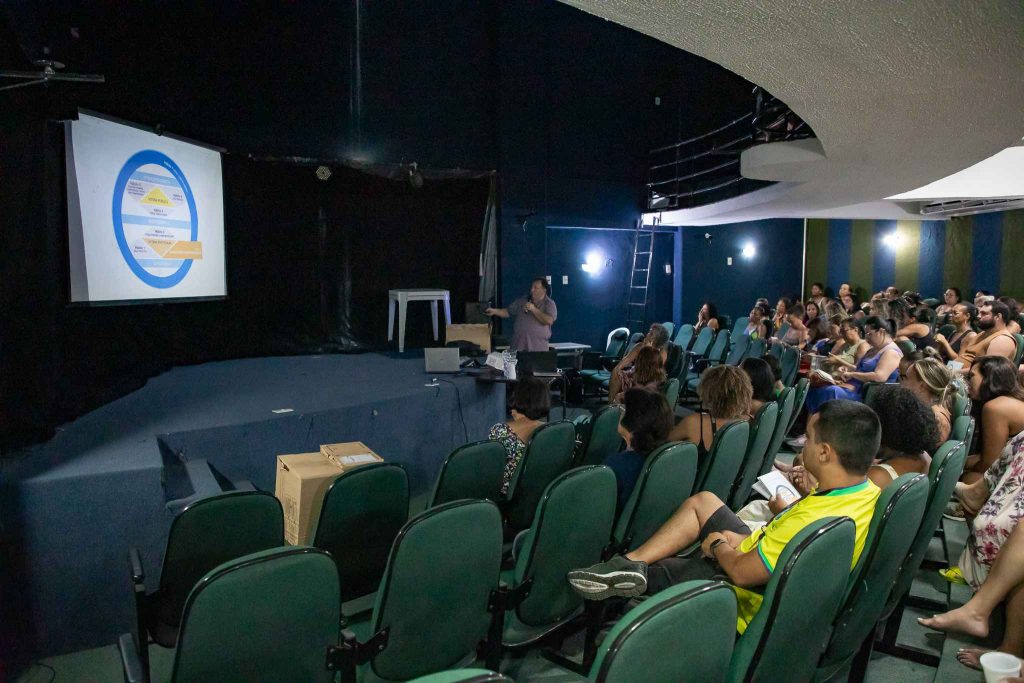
{"points": [[534, 315]]}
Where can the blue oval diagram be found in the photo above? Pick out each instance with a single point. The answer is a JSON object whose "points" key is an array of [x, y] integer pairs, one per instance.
{"points": [[155, 220]]}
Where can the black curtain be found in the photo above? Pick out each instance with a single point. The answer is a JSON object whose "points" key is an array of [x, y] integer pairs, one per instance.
{"points": [[309, 263]]}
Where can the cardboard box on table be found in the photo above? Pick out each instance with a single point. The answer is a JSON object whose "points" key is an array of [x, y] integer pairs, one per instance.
{"points": [[303, 480], [478, 334]]}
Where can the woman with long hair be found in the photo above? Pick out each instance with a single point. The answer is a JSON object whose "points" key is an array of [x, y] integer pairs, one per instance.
{"points": [[707, 316], [881, 363], [935, 384], [992, 384]]}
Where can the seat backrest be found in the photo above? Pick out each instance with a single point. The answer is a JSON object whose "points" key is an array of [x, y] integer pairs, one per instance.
{"points": [[756, 348], [799, 396], [361, 515], [617, 339], [947, 330], [961, 405], [783, 329], [867, 392], [722, 465], [812, 570], [474, 470], [684, 336], [571, 527], [547, 455], [899, 510], [635, 339], [433, 599], [739, 326], [762, 430], [906, 346], [669, 327], [789, 364], [703, 342], [464, 676], [786, 402], [963, 430], [210, 532], [946, 468], [671, 392], [604, 439], [673, 359], [268, 616], [740, 346], [664, 483], [645, 643], [1019, 353]]}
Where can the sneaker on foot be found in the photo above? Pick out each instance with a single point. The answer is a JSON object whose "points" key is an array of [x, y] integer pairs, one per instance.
{"points": [[618, 576]]}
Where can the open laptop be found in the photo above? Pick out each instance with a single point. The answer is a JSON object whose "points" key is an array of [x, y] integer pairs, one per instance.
{"points": [[441, 360], [537, 363]]}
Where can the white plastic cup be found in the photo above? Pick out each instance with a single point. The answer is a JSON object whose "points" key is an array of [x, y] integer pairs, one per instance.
{"points": [[998, 666]]}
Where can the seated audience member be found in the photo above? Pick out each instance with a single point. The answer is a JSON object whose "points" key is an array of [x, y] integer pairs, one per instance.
{"points": [[834, 309], [811, 312], [916, 327], [850, 348], [909, 434], [776, 366], [994, 339], [762, 383], [850, 304], [648, 372], [842, 440], [725, 393], [891, 293], [817, 335], [992, 384], [818, 297], [844, 290], [935, 385], [707, 316], [1012, 326], [982, 296], [881, 363], [656, 338], [880, 307], [531, 403], [796, 335], [757, 327], [961, 317], [782, 307], [644, 426], [1001, 580], [950, 299]]}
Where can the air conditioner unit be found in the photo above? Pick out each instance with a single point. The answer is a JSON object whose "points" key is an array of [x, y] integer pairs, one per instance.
{"points": [[967, 207]]}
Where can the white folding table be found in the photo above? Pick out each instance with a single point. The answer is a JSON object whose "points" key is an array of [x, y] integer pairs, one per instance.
{"points": [[401, 297]]}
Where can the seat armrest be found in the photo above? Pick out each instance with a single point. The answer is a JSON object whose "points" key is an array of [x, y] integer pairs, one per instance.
{"points": [[609, 362], [138, 573], [131, 663]]}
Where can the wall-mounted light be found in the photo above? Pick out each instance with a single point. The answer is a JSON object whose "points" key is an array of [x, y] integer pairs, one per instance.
{"points": [[595, 263], [668, 269], [749, 250], [893, 240]]}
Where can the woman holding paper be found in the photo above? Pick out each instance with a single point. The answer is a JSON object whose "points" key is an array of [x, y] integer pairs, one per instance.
{"points": [[881, 363]]}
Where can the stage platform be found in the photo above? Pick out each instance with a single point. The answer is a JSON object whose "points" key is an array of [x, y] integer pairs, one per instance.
{"points": [[115, 477]]}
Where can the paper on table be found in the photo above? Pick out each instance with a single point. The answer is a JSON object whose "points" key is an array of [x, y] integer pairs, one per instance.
{"points": [[496, 361], [358, 459], [768, 485]]}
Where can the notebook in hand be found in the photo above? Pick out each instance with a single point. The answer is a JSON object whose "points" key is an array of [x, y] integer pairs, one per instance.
{"points": [[768, 485]]}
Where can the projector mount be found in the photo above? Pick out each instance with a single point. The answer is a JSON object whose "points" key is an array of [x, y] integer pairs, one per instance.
{"points": [[50, 70]]}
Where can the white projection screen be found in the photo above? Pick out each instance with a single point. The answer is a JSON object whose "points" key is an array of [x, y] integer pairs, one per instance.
{"points": [[145, 215]]}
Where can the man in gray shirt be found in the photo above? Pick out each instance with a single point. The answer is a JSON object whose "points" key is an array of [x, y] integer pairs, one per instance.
{"points": [[534, 317]]}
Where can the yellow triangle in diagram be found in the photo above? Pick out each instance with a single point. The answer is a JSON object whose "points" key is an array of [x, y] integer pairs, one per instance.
{"points": [[155, 196]]}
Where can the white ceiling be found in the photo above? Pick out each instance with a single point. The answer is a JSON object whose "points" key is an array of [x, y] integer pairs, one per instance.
{"points": [[899, 94]]}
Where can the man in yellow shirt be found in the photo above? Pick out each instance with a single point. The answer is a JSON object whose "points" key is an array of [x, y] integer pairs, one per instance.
{"points": [[842, 440]]}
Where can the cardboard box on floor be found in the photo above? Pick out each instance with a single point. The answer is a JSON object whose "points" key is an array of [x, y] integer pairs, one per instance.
{"points": [[303, 480], [478, 334]]}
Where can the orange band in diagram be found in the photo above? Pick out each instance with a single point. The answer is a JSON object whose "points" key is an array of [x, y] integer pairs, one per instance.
{"points": [[176, 249]]}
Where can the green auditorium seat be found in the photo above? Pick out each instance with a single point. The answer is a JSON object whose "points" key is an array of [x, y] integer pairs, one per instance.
{"points": [[548, 454], [946, 468], [789, 365], [673, 359], [762, 431], [906, 346], [615, 348], [267, 616], [963, 430], [757, 348], [670, 390], [1018, 355], [669, 327], [961, 405], [571, 528], [601, 436], [740, 346], [799, 396], [474, 470], [464, 676], [684, 337], [722, 465], [947, 331], [204, 535], [867, 392], [786, 401], [684, 633], [897, 516], [715, 355], [433, 607], [791, 629], [739, 327], [699, 349], [664, 483], [360, 517]]}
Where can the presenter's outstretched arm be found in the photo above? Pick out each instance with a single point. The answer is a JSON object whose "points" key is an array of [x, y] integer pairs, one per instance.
{"points": [[500, 312]]}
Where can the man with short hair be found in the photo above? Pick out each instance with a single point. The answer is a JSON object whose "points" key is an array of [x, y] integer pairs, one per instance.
{"points": [[842, 440], [534, 314], [994, 340]]}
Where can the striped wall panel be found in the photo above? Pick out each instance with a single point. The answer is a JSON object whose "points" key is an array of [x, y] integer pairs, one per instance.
{"points": [[985, 251]]}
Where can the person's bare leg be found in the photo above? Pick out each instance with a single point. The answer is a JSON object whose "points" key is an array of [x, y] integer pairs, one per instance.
{"points": [[1004, 579], [681, 530], [1013, 637], [613, 385], [972, 495], [971, 477]]}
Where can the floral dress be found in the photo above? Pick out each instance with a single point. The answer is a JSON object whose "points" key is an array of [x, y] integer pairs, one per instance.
{"points": [[514, 449], [999, 515]]}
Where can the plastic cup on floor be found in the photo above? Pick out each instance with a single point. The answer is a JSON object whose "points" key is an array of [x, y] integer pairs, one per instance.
{"points": [[999, 666]]}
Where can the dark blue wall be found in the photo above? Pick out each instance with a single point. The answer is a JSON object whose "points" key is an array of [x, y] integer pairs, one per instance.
{"points": [[774, 271]]}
